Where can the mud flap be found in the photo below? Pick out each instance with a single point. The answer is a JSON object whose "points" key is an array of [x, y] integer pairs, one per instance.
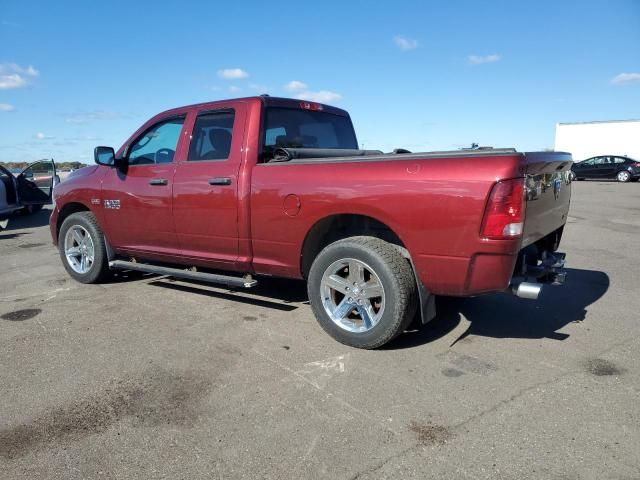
{"points": [[427, 303], [111, 254], [426, 299]]}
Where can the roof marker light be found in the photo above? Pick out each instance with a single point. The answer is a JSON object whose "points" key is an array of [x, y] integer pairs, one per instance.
{"points": [[311, 106]]}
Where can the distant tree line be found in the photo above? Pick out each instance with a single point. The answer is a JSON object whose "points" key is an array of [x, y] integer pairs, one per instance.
{"points": [[59, 165]]}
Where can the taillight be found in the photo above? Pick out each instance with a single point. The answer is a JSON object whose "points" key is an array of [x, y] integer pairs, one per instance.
{"points": [[637, 164], [504, 215]]}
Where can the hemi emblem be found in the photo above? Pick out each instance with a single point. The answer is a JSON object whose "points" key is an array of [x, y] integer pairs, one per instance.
{"points": [[112, 204]]}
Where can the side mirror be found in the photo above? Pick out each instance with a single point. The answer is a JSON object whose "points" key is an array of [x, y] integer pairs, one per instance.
{"points": [[104, 156]]}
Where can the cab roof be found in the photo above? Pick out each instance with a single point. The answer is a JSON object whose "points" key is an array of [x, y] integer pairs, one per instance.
{"points": [[268, 101]]}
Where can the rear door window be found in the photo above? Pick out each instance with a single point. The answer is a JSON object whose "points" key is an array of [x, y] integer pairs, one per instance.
{"points": [[212, 136]]}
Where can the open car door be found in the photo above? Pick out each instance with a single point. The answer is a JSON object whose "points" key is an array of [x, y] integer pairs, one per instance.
{"points": [[36, 182]]}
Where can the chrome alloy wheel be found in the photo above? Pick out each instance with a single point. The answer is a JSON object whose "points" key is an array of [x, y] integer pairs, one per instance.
{"points": [[352, 295], [79, 249], [623, 176]]}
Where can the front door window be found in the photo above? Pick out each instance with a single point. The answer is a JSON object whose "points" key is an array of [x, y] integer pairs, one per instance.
{"points": [[158, 144]]}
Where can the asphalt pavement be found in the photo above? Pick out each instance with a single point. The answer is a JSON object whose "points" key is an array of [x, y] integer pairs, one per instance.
{"points": [[145, 377]]}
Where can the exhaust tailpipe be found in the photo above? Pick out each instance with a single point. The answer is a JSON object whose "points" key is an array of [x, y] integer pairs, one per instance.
{"points": [[528, 290]]}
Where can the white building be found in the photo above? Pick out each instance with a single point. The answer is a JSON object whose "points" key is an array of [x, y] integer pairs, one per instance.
{"points": [[589, 139]]}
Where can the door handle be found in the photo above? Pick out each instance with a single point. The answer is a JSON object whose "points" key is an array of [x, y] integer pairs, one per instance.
{"points": [[158, 181], [220, 181]]}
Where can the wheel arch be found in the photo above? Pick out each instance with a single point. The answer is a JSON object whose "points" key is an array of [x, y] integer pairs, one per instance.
{"points": [[69, 209], [338, 226]]}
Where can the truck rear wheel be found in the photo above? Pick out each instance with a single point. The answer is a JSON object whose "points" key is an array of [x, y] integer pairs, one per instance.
{"points": [[362, 291], [82, 249]]}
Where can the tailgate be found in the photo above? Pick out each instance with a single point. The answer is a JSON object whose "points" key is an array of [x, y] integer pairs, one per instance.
{"points": [[548, 193]]}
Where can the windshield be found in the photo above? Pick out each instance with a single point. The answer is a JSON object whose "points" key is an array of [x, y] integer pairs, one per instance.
{"points": [[297, 128]]}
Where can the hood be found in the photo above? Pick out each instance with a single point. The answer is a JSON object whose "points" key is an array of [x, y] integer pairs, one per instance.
{"points": [[83, 172]]}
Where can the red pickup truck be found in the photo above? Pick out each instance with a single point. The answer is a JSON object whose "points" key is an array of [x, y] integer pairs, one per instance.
{"points": [[235, 190]]}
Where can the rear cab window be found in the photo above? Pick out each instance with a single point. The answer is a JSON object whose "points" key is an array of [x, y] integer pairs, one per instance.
{"points": [[298, 128]]}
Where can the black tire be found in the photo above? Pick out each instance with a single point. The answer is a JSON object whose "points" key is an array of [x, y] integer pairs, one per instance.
{"points": [[395, 275], [99, 270]]}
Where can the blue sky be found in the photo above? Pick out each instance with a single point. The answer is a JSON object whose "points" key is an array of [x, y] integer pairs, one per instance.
{"points": [[420, 75]]}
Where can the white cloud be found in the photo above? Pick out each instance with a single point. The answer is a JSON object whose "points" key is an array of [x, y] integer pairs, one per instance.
{"points": [[234, 89], [322, 96], [15, 76], [65, 143], [72, 141], [295, 86], [301, 91], [404, 43], [625, 78], [42, 136], [11, 81], [232, 74], [82, 118], [84, 138], [480, 59], [5, 107]]}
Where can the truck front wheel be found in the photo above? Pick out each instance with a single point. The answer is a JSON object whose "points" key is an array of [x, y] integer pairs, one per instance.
{"points": [[362, 291], [82, 249]]}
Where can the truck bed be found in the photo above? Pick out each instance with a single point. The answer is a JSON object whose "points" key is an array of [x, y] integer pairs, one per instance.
{"points": [[434, 201], [547, 185]]}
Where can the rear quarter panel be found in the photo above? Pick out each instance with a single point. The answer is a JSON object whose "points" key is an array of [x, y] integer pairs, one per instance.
{"points": [[434, 205]]}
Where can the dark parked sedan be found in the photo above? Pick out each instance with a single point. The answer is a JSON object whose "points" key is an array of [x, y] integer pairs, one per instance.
{"points": [[622, 169]]}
